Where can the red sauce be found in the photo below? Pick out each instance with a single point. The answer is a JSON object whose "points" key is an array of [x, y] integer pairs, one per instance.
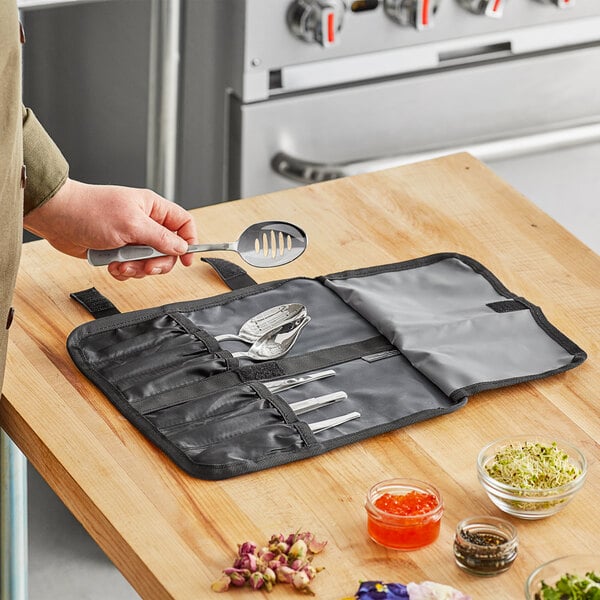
{"points": [[409, 535], [413, 503]]}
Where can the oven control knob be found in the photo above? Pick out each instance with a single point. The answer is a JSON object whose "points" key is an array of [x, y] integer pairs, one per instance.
{"points": [[559, 3], [317, 21], [416, 13], [489, 8]]}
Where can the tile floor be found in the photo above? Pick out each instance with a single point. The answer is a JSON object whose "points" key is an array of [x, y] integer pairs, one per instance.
{"points": [[66, 564]]}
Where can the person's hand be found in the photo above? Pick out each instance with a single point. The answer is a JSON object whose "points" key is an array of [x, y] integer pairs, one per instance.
{"points": [[82, 216]]}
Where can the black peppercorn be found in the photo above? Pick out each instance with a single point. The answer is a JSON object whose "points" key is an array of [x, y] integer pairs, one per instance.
{"points": [[485, 545]]}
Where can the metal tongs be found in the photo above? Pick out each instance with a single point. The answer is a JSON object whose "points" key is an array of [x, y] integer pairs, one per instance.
{"points": [[280, 385], [304, 406], [319, 426]]}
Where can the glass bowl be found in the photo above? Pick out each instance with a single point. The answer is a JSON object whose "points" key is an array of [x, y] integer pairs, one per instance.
{"points": [[404, 514], [485, 545], [552, 571], [531, 502]]}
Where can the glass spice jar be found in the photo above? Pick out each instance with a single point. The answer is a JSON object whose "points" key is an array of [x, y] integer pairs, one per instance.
{"points": [[485, 545], [404, 514]]}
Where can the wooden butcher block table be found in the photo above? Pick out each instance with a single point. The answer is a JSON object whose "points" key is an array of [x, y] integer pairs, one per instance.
{"points": [[171, 534]]}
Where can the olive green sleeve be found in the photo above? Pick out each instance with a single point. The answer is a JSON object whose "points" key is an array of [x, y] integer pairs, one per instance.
{"points": [[47, 168]]}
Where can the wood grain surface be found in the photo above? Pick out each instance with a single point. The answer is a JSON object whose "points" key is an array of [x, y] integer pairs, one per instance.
{"points": [[171, 534]]}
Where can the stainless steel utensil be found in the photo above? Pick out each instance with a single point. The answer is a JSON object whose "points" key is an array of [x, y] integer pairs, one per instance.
{"points": [[275, 343], [304, 406], [264, 322], [266, 244], [319, 426], [279, 385]]}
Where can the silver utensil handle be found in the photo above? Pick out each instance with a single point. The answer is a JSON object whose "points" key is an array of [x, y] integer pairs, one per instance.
{"points": [[304, 406], [280, 385], [319, 426], [230, 337], [99, 258]]}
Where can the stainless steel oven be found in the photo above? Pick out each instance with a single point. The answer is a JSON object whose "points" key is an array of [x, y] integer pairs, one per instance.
{"points": [[277, 93]]}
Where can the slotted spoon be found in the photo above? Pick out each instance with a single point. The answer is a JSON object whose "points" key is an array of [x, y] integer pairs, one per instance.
{"points": [[266, 244]]}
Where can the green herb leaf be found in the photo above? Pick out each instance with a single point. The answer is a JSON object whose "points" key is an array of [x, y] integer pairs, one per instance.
{"points": [[572, 587]]}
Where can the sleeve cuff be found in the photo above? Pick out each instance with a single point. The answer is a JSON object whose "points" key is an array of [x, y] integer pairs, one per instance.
{"points": [[47, 168]]}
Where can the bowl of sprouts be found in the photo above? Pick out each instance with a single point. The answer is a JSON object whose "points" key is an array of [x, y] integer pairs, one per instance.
{"points": [[531, 477], [574, 576]]}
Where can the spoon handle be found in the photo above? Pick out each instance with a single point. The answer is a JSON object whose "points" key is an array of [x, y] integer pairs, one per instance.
{"points": [[231, 337], [98, 258]]}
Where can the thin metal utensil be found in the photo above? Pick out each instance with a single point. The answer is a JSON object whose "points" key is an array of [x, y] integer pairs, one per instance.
{"points": [[265, 321], [319, 426], [275, 343], [265, 244], [304, 406], [280, 385]]}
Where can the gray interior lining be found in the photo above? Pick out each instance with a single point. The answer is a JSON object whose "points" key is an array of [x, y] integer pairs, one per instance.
{"points": [[437, 315]]}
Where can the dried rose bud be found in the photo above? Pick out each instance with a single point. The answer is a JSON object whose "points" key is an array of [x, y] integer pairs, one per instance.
{"points": [[282, 547], [256, 581], [238, 576], [297, 564], [231, 570], [300, 580], [269, 575], [298, 550], [310, 571], [277, 562], [247, 548], [238, 579], [285, 574], [285, 559], [222, 584], [275, 539], [247, 561], [266, 557]]}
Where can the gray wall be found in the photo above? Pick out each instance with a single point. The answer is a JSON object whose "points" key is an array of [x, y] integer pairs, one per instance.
{"points": [[86, 78]]}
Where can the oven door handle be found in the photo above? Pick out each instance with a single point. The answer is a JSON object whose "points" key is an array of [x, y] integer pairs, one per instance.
{"points": [[308, 172]]}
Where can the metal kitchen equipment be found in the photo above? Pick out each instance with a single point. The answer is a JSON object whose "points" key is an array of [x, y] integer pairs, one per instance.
{"points": [[333, 422], [263, 322], [309, 90], [303, 406], [280, 385], [266, 244], [277, 343]]}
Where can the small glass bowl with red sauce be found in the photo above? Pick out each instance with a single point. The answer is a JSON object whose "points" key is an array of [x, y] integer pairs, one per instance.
{"points": [[404, 514]]}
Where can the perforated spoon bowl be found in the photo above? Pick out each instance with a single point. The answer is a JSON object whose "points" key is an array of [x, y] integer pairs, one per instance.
{"points": [[276, 343], [264, 322], [266, 244]]}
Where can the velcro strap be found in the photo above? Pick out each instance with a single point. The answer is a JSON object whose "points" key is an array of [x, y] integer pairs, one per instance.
{"points": [[503, 306], [233, 275], [96, 304], [328, 357]]}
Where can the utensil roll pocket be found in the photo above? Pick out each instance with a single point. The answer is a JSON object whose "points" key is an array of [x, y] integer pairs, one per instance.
{"points": [[209, 408]]}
